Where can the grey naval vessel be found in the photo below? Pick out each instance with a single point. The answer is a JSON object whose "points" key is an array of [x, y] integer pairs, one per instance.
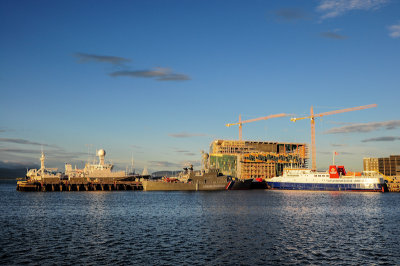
{"points": [[205, 179]]}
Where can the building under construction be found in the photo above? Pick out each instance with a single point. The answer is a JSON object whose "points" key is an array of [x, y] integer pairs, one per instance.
{"points": [[387, 166], [256, 159]]}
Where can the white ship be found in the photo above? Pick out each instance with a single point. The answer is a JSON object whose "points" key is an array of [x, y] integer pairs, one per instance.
{"points": [[336, 179], [100, 171], [43, 174]]}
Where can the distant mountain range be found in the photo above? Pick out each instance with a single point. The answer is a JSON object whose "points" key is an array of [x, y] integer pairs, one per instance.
{"points": [[165, 173], [14, 170], [7, 173]]}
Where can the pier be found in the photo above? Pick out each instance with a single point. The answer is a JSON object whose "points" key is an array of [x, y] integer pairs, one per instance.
{"points": [[66, 185], [394, 186]]}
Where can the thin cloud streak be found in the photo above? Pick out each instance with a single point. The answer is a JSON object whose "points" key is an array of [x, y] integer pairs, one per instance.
{"points": [[115, 60], [333, 35], [290, 14], [16, 165], [174, 77], [25, 142], [365, 127], [23, 151], [54, 154], [388, 138], [158, 73], [186, 135], [167, 164], [136, 146], [394, 30], [164, 164], [338, 145], [335, 8], [339, 152]]}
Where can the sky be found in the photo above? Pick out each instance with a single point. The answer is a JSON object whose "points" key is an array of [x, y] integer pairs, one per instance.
{"points": [[157, 81]]}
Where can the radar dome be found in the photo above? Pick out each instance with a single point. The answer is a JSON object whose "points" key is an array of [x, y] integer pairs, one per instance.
{"points": [[101, 152]]}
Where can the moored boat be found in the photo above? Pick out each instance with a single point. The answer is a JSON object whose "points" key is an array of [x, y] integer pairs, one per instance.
{"points": [[336, 179], [206, 179]]}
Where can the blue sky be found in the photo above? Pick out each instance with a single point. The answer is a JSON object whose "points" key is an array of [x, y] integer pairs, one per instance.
{"points": [[158, 80]]}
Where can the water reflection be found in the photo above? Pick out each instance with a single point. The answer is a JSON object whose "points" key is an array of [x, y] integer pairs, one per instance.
{"points": [[227, 227]]}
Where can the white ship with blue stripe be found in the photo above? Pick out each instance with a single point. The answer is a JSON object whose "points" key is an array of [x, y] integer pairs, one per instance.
{"points": [[336, 179]]}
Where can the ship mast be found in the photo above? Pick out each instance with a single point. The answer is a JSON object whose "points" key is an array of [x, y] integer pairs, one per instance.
{"points": [[42, 158]]}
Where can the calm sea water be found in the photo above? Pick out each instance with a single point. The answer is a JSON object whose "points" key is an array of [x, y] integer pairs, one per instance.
{"points": [[225, 227]]}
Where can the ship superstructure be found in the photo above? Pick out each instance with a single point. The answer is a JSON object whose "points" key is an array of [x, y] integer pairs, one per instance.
{"points": [[43, 174], [96, 171], [208, 178]]}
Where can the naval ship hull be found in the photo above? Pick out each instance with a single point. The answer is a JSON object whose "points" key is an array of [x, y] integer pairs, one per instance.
{"points": [[241, 184], [244, 184], [150, 185], [189, 180]]}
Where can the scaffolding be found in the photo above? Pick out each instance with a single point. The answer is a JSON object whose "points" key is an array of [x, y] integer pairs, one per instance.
{"points": [[256, 159], [390, 166]]}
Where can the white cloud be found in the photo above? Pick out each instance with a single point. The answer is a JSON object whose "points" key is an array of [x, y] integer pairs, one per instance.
{"points": [[388, 138], [186, 135], [169, 165], [116, 60], [365, 127], [335, 8], [394, 30], [159, 73]]}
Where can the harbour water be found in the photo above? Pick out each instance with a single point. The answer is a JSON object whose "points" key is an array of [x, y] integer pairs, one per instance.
{"points": [[222, 227]]}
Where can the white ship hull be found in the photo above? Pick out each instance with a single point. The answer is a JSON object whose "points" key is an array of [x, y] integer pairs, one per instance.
{"points": [[304, 179]]}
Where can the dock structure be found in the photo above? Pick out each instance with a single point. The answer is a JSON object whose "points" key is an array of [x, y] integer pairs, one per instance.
{"points": [[394, 187], [66, 185], [393, 183], [94, 177]]}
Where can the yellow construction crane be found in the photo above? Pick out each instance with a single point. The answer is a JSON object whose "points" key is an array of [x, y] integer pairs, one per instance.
{"points": [[312, 118], [240, 123]]}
